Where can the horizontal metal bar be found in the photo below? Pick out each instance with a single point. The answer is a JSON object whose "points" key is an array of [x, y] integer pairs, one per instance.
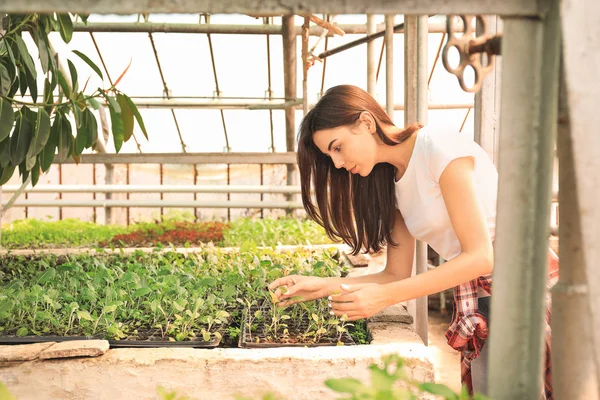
{"points": [[158, 27], [158, 203], [266, 105], [216, 104], [278, 7], [187, 158], [154, 189]]}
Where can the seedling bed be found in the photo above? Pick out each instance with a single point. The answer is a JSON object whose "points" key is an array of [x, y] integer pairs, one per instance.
{"points": [[261, 338]]}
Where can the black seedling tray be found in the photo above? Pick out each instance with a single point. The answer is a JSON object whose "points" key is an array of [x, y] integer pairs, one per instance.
{"points": [[13, 340], [246, 340]]}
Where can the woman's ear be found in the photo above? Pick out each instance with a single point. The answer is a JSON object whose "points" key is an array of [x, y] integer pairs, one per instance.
{"points": [[367, 119]]}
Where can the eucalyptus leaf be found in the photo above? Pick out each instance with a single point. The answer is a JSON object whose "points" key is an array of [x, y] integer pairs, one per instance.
{"points": [[64, 85], [43, 50], [35, 172], [20, 139], [24, 56], [66, 27], [117, 126], [126, 116], [138, 117], [5, 80], [4, 153], [41, 133], [64, 140], [92, 128], [7, 118], [7, 173], [82, 134], [74, 78], [89, 62], [32, 85]]}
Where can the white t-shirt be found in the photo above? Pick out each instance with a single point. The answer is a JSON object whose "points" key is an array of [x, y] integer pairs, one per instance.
{"points": [[419, 197]]}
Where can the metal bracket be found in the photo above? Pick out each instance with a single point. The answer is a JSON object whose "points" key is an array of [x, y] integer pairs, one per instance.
{"points": [[475, 51]]}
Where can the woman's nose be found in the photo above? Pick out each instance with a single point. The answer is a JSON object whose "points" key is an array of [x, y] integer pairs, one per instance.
{"points": [[337, 161]]}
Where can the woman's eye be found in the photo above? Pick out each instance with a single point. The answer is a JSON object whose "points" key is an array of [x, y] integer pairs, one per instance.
{"points": [[338, 148]]}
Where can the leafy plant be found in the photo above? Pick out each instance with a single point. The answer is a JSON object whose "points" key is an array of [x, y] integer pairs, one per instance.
{"points": [[385, 382], [62, 124]]}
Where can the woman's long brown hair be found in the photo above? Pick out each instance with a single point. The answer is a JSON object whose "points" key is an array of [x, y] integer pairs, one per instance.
{"points": [[358, 210]]}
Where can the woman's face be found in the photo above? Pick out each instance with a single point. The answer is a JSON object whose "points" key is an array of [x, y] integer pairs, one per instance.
{"points": [[350, 147]]}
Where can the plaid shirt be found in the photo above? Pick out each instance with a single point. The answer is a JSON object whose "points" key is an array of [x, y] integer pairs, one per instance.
{"points": [[469, 329]]}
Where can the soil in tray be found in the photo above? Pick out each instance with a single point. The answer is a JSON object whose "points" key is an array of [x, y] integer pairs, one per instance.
{"points": [[151, 338], [259, 337]]}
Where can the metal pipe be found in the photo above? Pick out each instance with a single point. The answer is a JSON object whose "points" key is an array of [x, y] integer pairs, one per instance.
{"points": [[528, 130], [290, 90], [371, 78], [187, 158], [415, 99], [389, 65], [157, 27], [154, 189], [157, 203], [257, 105]]}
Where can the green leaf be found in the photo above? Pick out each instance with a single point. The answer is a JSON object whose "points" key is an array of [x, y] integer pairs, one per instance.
{"points": [[439, 389], [7, 118], [41, 133], [344, 385], [82, 134], [22, 331], [141, 292], [32, 85], [138, 117], [25, 56], [64, 140], [117, 126], [94, 103], [43, 50], [84, 17], [126, 116], [74, 79], [4, 153], [20, 140], [47, 276], [5, 394], [82, 314], [92, 128], [66, 27], [63, 84], [89, 62], [7, 173], [380, 378], [22, 81], [35, 172], [5, 81]]}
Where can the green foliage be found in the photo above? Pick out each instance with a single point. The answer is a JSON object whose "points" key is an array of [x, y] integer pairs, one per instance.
{"points": [[35, 233], [272, 232], [4, 393], [42, 132], [148, 296], [390, 382]]}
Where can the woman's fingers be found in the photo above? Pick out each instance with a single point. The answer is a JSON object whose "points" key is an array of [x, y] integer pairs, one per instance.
{"points": [[286, 280]]}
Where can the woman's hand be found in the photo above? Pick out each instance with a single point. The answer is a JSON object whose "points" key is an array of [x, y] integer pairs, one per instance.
{"points": [[359, 301], [293, 289]]}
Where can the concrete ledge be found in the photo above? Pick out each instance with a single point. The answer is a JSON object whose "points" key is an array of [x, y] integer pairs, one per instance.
{"points": [[23, 352], [292, 373], [76, 348]]}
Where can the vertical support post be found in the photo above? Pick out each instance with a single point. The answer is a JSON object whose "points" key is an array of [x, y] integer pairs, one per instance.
{"points": [[528, 130], [371, 69], [108, 180], [290, 89], [579, 212], [389, 65], [572, 330], [415, 110], [305, 32], [486, 108]]}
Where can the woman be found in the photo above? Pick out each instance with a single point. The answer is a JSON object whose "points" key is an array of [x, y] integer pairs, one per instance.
{"points": [[379, 185]]}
